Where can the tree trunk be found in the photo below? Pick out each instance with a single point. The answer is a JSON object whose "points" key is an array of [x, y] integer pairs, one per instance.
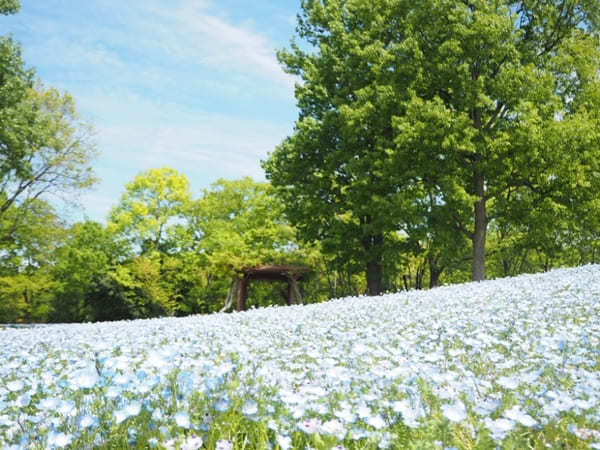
{"points": [[374, 268], [374, 276], [480, 230], [434, 271], [372, 244]]}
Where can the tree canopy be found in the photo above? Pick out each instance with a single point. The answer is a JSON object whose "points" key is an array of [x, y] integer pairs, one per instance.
{"points": [[441, 112]]}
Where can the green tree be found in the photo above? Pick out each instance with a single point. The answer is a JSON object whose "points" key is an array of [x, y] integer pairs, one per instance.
{"points": [[26, 297], [33, 244], [238, 224], [332, 173], [501, 104], [150, 208], [15, 82], [88, 252], [54, 155], [27, 286], [462, 101], [241, 224]]}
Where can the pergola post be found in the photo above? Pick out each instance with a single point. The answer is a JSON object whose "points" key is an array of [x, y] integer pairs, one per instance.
{"points": [[291, 300], [242, 292]]}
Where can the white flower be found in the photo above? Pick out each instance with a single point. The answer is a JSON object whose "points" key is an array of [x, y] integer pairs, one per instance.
{"points": [[59, 440], [335, 428], [223, 444], [310, 426], [499, 428], [376, 422], [182, 419], [15, 386], [285, 442], [456, 412], [250, 408], [517, 415], [87, 421], [192, 443], [86, 378]]}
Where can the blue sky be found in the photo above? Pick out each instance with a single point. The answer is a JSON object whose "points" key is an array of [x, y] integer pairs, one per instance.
{"points": [[190, 84]]}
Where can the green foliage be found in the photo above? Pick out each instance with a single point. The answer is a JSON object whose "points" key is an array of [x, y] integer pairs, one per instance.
{"points": [[150, 208], [87, 254], [26, 297], [332, 173], [49, 150], [31, 236], [495, 108], [241, 224], [437, 118], [9, 6], [15, 82], [238, 224]]}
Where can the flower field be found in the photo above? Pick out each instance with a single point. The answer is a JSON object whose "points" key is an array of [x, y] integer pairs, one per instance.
{"points": [[511, 363]]}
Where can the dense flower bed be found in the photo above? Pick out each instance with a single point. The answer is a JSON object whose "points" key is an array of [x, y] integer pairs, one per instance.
{"points": [[511, 363]]}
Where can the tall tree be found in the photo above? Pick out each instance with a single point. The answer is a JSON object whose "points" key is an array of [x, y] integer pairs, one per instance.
{"points": [[466, 100], [150, 208], [26, 283], [87, 253], [47, 150], [332, 173], [500, 109]]}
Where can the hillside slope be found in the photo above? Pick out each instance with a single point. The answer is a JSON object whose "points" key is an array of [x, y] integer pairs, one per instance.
{"points": [[512, 362]]}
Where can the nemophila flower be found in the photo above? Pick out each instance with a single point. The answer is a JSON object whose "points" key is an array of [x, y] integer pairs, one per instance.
{"points": [[455, 412], [358, 433], [23, 400], [157, 415], [87, 421], [345, 415], [376, 422], [510, 383], [113, 392], [583, 433], [224, 444], [519, 416], [15, 386], [222, 404], [486, 407], [132, 409], [334, 428], [499, 428], [192, 443], [182, 419], [310, 426], [84, 379], [67, 408], [410, 414], [169, 444], [285, 442], [59, 440], [364, 412], [250, 408]]}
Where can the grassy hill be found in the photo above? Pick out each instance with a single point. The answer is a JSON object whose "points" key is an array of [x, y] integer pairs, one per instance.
{"points": [[511, 363]]}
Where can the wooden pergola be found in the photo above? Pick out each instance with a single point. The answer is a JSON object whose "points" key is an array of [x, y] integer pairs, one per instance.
{"points": [[269, 273]]}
